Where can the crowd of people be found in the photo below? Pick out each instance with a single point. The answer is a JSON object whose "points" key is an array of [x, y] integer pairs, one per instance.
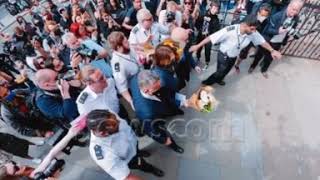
{"points": [[78, 67]]}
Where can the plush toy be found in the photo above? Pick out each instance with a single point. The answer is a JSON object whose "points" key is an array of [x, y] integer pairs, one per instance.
{"points": [[203, 100]]}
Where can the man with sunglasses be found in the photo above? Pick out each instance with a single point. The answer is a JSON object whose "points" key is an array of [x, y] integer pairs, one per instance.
{"points": [[146, 31]]}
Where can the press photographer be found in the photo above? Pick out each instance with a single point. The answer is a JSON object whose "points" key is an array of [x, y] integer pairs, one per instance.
{"points": [[54, 98], [170, 15], [87, 52]]}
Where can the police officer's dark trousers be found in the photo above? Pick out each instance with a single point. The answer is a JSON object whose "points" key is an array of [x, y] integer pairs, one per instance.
{"points": [[224, 65]]}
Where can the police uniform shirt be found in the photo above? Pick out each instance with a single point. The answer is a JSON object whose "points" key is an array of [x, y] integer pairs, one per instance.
{"points": [[140, 35], [232, 42], [114, 152], [108, 99], [124, 66]]}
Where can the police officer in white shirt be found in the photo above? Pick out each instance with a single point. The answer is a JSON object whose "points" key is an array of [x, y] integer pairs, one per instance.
{"points": [[100, 93], [146, 31], [232, 40], [113, 146], [123, 62]]}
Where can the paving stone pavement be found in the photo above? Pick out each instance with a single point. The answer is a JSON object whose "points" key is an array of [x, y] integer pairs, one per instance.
{"points": [[263, 129]]}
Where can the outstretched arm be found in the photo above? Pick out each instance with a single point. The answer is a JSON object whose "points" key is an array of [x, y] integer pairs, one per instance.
{"points": [[73, 131]]}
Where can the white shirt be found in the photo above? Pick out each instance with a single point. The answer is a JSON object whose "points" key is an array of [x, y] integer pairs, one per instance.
{"points": [[232, 42], [108, 99], [117, 151], [124, 66], [140, 35]]}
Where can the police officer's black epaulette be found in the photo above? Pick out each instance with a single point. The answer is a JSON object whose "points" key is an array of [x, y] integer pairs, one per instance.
{"points": [[231, 28], [98, 152], [83, 97], [117, 67], [135, 30]]}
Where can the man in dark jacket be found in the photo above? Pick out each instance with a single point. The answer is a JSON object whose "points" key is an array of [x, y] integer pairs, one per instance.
{"points": [[152, 102], [54, 99], [276, 32]]}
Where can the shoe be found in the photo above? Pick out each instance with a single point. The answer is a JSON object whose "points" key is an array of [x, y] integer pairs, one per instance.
{"points": [[143, 153], [205, 67], [175, 147], [206, 82], [265, 75], [221, 83], [157, 172], [237, 69], [250, 70]]}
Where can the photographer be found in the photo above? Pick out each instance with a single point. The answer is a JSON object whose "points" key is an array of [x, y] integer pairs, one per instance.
{"points": [[279, 27], [171, 15], [87, 52], [54, 98], [106, 24]]}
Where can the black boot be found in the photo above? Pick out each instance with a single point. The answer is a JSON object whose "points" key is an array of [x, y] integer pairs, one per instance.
{"points": [[175, 147], [149, 168]]}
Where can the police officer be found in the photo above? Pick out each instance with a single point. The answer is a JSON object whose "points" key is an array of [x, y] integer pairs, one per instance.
{"points": [[100, 93], [146, 31], [232, 40], [123, 62], [113, 146]]}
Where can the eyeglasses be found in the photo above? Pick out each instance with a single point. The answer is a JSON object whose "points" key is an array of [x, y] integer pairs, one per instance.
{"points": [[149, 19]]}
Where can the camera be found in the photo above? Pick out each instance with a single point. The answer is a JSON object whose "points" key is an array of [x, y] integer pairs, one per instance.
{"points": [[288, 23], [54, 166], [171, 16], [84, 51], [295, 34], [68, 76]]}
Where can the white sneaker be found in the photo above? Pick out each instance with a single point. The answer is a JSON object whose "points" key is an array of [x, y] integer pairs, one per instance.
{"points": [[205, 67]]}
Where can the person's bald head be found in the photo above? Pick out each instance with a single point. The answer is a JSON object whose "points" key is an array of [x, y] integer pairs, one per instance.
{"points": [[46, 79], [180, 35], [294, 7]]}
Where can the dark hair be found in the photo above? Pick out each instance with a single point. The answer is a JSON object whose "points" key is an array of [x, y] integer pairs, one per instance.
{"points": [[266, 7], [215, 3], [102, 121], [251, 20]]}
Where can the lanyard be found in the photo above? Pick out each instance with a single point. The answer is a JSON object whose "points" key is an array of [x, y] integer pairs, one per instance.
{"points": [[238, 37]]}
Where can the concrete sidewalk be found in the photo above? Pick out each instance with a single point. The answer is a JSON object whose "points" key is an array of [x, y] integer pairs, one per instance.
{"points": [[264, 129]]}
